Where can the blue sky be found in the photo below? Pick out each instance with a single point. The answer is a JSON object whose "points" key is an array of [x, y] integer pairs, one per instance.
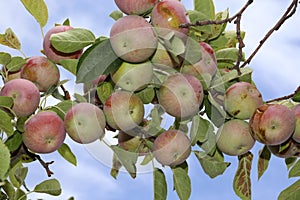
{"points": [[276, 73]]}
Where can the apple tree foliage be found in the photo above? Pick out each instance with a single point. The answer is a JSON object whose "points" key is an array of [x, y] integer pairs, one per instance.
{"points": [[98, 58]]}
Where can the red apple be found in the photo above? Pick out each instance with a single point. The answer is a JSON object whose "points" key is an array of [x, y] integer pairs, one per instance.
{"points": [[25, 94], [181, 95], [133, 38], [44, 132], [135, 7], [85, 123], [51, 52], [171, 148], [296, 134], [41, 71]]}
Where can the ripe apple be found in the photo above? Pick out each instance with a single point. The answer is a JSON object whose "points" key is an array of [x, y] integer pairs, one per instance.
{"points": [[123, 110], [133, 38], [44, 132], [133, 76], [85, 123], [132, 143], [41, 71], [296, 134], [168, 15], [162, 57], [234, 137], [171, 148], [181, 95], [25, 94], [272, 124], [135, 7], [241, 99], [287, 149], [51, 52], [207, 63]]}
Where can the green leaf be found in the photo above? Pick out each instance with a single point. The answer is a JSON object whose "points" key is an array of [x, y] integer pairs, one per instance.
{"points": [[217, 30], [4, 58], [212, 166], [199, 129], [116, 166], [206, 7], [21, 174], [295, 170], [127, 159], [5, 123], [182, 183], [5, 160], [104, 90], [160, 184], [51, 186], [200, 33], [263, 161], [80, 98], [214, 110], [228, 55], [6, 102], [193, 52], [242, 180], [38, 9], [290, 162], [16, 183], [96, 60], [9, 190], [20, 195], [15, 64], [70, 65], [10, 39], [291, 193], [72, 40], [146, 95], [14, 141], [296, 97], [62, 107], [65, 151], [117, 14]]}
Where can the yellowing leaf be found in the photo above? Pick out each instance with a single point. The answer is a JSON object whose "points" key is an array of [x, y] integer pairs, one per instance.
{"points": [[263, 161], [38, 9], [10, 39]]}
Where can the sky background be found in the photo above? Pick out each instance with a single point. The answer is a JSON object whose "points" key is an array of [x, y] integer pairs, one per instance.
{"points": [[276, 73]]}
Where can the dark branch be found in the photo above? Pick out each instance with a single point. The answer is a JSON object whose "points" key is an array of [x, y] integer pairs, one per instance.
{"points": [[285, 97]]}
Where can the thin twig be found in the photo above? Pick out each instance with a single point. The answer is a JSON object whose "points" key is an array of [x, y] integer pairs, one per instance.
{"points": [[285, 97]]}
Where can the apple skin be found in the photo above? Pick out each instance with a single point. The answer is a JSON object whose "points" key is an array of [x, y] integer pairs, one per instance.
{"points": [[181, 95], [291, 148], [241, 100], [51, 52], [171, 148], [133, 76], [272, 124], [123, 110], [135, 7], [133, 39], [85, 123], [167, 15], [41, 71], [296, 134], [44, 132], [207, 64], [234, 137], [25, 94]]}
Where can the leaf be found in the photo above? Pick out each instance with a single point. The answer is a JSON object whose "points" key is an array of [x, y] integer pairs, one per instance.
{"points": [[206, 7], [199, 129], [295, 170], [242, 180], [70, 65], [193, 52], [263, 161], [5, 160], [290, 162], [104, 90], [6, 102], [62, 107], [79, 98], [160, 184], [214, 110], [10, 39], [229, 55], [51, 186], [38, 9], [15, 64], [14, 141], [182, 183], [127, 159], [146, 95], [117, 14], [212, 166], [9, 189], [5, 123], [291, 193], [217, 30], [20, 195], [15, 182], [21, 174], [4, 58], [96, 60], [116, 166], [65, 151], [296, 97]]}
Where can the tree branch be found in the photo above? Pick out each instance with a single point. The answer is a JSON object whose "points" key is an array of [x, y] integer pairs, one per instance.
{"points": [[285, 97]]}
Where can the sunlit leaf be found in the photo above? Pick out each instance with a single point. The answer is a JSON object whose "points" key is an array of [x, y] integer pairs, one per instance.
{"points": [[116, 14], [65, 151], [4, 58], [62, 107], [51, 186], [182, 183], [291, 193], [242, 179], [6, 101], [15, 64], [5, 160], [295, 170], [38, 9], [160, 184], [263, 161], [217, 30], [206, 7], [10, 39], [70, 65]]}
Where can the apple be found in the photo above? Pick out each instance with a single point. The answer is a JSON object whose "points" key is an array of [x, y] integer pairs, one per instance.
{"points": [[132, 143], [287, 149], [241, 100], [207, 63], [272, 124], [234, 137], [123, 110], [85, 123], [54, 54], [25, 94], [135, 7], [133, 39], [171, 148], [162, 57], [133, 76], [181, 95], [296, 134], [168, 15], [41, 71], [44, 132]]}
